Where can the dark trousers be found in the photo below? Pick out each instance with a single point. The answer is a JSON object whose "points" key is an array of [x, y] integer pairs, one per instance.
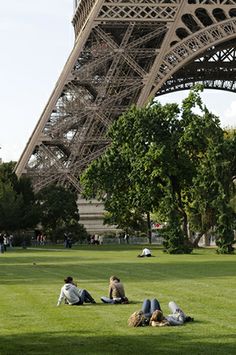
{"points": [[85, 296], [77, 303]]}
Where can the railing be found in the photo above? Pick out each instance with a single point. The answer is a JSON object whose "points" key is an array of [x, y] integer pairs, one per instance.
{"points": [[82, 9]]}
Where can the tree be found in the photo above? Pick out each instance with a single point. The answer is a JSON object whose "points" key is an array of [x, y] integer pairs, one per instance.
{"points": [[212, 191], [10, 208], [59, 213], [165, 159], [17, 202], [118, 177]]}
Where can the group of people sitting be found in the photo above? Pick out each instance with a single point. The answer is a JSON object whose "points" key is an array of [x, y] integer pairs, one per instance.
{"points": [[74, 296], [150, 314]]}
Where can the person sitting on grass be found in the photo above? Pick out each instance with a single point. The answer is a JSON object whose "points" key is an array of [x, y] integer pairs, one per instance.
{"points": [[116, 292], [151, 314], [73, 295], [145, 252]]}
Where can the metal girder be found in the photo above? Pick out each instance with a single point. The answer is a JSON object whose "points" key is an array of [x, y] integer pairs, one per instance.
{"points": [[126, 52]]}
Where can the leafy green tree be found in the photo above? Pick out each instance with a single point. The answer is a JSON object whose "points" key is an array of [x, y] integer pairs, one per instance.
{"points": [[226, 216], [59, 213], [7, 174], [233, 203], [165, 159], [174, 239], [212, 189], [119, 178], [230, 137], [17, 204], [11, 205], [130, 222]]}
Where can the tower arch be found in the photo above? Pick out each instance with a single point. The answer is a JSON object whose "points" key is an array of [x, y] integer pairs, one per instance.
{"points": [[194, 47]]}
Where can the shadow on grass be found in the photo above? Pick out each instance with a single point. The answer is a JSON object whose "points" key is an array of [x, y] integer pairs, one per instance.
{"points": [[139, 341]]}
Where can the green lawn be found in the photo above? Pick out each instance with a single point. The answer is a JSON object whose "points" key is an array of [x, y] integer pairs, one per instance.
{"points": [[204, 285]]}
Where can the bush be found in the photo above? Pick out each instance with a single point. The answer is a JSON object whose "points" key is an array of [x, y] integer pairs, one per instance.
{"points": [[175, 241]]}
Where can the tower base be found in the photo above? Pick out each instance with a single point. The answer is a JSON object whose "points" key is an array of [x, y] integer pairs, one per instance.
{"points": [[92, 217]]}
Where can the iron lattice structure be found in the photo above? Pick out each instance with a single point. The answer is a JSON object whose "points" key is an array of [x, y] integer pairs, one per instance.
{"points": [[126, 52]]}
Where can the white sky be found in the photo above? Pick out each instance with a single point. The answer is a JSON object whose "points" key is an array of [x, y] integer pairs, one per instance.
{"points": [[36, 38]]}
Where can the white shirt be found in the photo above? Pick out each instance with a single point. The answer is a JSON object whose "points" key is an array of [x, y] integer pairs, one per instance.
{"points": [[146, 251], [70, 292]]}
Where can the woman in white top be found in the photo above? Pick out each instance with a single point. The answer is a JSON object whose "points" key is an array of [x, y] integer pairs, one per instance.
{"points": [[73, 295], [145, 252]]}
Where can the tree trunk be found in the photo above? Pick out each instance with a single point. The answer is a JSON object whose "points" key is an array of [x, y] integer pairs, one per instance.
{"points": [[207, 240], [149, 228], [185, 224], [196, 240]]}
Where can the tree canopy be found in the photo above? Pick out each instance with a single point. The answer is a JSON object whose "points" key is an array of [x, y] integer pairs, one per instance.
{"points": [[54, 207], [59, 213], [17, 203], [174, 160]]}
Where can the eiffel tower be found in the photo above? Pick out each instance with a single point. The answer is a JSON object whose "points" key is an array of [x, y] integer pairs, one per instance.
{"points": [[126, 52]]}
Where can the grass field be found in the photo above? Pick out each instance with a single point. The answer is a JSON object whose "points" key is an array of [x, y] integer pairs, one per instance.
{"points": [[203, 284]]}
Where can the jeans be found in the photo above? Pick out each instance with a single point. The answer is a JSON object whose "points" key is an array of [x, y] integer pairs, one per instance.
{"points": [[177, 312], [110, 300], [85, 296], [149, 307]]}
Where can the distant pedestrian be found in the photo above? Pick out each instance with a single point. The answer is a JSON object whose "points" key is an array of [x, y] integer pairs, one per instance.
{"points": [[126, 238], [1, 244], [66, 241], [11, 241], [69, 242], [5, 241], [96, 239]]}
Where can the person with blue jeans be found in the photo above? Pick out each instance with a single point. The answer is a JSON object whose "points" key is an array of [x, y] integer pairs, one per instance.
{"points": [[149, 306], [177, 316], [151, 314]]}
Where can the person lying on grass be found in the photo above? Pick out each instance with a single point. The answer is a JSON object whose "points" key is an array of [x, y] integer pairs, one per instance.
{"points": [[73, 295], [145, 253], [151, 314], [116, 292]]}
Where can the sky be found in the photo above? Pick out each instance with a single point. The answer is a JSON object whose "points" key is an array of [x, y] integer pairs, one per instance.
{"points": [[36, 38]]}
